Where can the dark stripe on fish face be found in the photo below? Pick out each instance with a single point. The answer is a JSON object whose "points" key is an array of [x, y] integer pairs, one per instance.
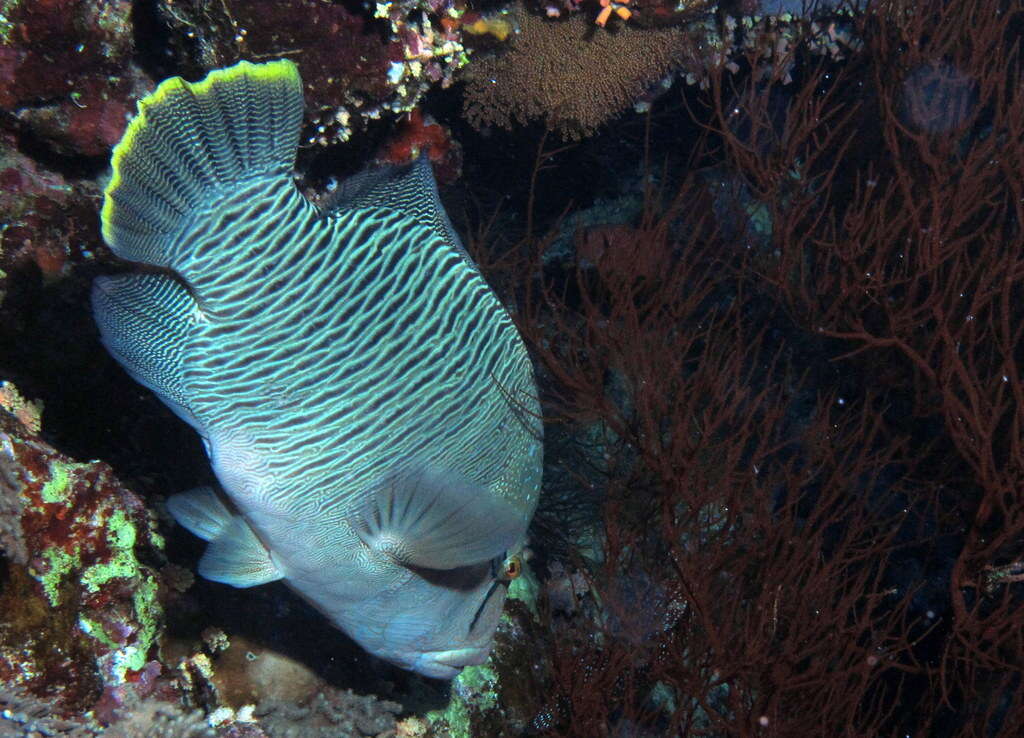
{"points": [[483, 605]]}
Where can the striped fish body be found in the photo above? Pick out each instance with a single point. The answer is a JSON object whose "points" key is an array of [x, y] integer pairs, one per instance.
{"points": [[367, 404]]}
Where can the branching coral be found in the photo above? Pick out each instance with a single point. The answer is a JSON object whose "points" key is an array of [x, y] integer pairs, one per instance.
{"points": [[805, 419], [565, 74]]}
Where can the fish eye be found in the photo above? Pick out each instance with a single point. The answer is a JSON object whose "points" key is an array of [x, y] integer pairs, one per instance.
{"points": [[512, 568]]}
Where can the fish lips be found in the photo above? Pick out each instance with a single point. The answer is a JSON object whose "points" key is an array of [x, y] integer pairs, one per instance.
{"points": [[448, 664]]}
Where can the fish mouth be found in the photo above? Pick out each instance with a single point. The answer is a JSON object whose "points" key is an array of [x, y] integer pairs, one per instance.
{"points": [[448, 664]]}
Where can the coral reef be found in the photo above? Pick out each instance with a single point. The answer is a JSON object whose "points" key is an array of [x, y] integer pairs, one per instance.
{"points": [[354, 71], [417, 134], [499, 697], [777, 336], [329, 714], [565, 75], [81, 613], [48, 224], [789, 379], [24, 716], [64, 71], [27, 413], [574, 78]]}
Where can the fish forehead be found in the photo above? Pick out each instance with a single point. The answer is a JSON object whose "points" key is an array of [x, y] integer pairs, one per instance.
{"points": [[348, 346]]}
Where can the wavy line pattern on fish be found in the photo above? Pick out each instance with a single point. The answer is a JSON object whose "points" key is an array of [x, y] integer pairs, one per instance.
{"points": [[367, 404]]}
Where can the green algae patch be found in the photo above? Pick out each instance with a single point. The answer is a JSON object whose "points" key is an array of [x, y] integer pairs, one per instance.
{"points": [[122, 563], [146, 611], [498, 696], [525, 588], [56, 488], [88, 612], [480, 682], [59, 564], [6, 24], [122, 531], [473, 692], [149, 615], [94, 630]]}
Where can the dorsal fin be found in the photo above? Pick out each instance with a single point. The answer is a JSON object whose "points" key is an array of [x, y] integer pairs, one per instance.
{"points": [[188, 144], [408, 188], [144, 322], [189, 141]]}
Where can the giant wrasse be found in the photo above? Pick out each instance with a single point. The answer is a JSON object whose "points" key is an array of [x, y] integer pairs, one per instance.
{"points": [[366, 402]]}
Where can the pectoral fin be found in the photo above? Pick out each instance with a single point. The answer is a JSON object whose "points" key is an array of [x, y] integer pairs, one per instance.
{"points": [[235, 555], [438, 521]]}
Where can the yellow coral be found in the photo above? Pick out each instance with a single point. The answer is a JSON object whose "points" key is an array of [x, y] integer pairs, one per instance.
{"points": [[498, 26], [616, 6]]}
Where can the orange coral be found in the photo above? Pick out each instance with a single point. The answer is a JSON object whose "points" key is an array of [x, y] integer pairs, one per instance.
{"points": [[610, 6], [418, 134]]}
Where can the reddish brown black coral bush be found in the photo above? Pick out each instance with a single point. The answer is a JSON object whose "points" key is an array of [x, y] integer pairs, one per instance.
{"points": [[807, 437], [913, 257], [746, 540]]}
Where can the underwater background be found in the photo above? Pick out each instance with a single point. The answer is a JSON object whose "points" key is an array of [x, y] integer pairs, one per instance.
{"points": [[767, 259]]}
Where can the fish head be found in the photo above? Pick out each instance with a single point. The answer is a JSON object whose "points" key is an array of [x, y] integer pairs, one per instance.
{"points": [[436, 621], [436, 556]]}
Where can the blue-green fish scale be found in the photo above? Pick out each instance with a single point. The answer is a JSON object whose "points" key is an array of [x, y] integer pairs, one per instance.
{"points": [[363, 337]]}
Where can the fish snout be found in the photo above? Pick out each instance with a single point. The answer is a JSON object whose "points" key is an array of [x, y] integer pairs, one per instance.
{"points": [[448, 664]]}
